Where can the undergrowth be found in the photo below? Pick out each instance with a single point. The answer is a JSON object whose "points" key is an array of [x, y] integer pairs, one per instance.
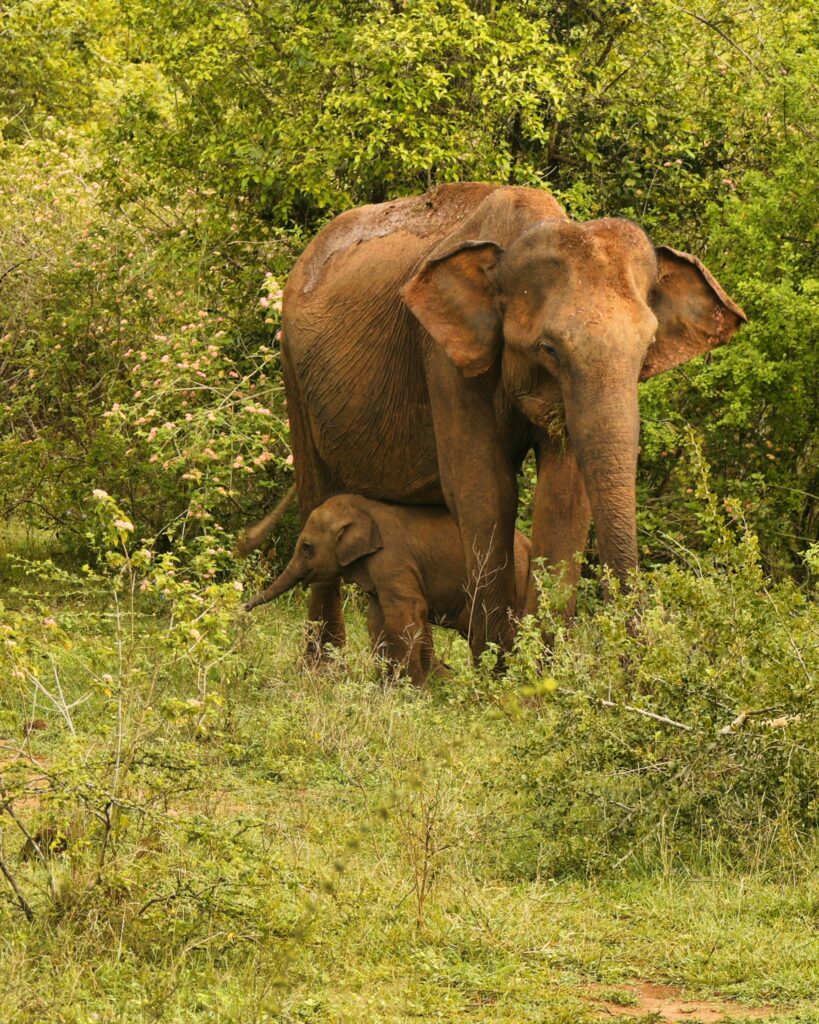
{"points": [[198, 827]]}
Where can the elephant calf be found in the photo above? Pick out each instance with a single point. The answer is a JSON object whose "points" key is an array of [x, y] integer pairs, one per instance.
{"points": [[409, 560]]}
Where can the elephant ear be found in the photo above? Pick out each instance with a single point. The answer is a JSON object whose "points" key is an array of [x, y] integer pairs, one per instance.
{"points": [[455, 298], [356, 538], [694, 313]]}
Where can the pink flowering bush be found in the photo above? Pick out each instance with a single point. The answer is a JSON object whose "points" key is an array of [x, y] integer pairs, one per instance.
{"points": [[138, 359]]}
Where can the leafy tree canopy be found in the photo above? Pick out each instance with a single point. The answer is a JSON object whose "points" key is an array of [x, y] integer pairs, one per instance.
{"points": [[165, 155]]}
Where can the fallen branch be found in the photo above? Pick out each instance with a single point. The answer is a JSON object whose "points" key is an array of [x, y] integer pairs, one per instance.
{"points": [[646, 714], [24, 904], [783, 722], [630, 707], [741, 719]]}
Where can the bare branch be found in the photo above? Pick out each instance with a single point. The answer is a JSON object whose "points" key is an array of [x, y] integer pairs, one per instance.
{"points": [[14, 266], [718, 30], [630, 707], [25, 906]]}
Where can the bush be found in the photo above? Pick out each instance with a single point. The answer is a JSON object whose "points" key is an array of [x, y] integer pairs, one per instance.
{"points": [[683, 724], [129, 697], [755, 402], [135, 358]]}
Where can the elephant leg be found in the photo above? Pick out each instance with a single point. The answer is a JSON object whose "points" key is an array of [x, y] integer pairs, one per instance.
{"points": [[560, 518], [375, 625], [408, 640], [314, 483], [480, 489], [487, 524], [324, 612], [397, 642]]}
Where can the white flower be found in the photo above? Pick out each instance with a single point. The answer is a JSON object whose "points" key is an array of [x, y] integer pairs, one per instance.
{"points": [[124, 524], [100, 494]]}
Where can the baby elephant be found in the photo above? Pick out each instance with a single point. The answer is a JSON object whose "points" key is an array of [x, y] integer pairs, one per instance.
{"points": [[409, 560]]}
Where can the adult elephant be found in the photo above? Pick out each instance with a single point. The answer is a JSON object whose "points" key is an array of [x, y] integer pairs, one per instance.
{"points": [[430, 342]]}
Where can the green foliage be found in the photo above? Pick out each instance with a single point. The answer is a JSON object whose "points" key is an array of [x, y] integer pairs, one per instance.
{"points": [[756, 403], [53, 57], [161, 158], [134, 358], [316, 107], [312, 108], [685, 712], [202, 827]]}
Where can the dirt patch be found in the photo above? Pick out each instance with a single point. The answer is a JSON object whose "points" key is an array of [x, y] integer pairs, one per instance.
{"points": [[19, 764], [665, 1002]]}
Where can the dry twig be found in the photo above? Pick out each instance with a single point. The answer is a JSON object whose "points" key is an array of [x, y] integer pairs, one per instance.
{"points": [[25, 906], [630, 707]]}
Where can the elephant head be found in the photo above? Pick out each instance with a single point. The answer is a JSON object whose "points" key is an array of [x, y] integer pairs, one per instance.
{"points": [[577, 314], [337, 533]]}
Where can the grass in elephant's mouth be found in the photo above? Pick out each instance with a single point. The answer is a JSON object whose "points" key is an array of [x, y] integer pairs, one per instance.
{"points": [[245, 840]]}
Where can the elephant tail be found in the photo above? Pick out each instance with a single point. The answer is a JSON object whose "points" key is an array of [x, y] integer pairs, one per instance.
{"points": [[253, 536]]}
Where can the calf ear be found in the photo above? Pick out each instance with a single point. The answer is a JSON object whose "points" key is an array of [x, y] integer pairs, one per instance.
{"points": [[455, 298], [693, 311], [358, 537]]}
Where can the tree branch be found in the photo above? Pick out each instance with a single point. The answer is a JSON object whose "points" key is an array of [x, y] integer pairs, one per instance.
{"points": [[630, 707], [718, 30], [24, 904]]}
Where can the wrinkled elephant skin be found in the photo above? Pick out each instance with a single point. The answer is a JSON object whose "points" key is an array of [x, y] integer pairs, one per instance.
{"points": [[429, 343]]}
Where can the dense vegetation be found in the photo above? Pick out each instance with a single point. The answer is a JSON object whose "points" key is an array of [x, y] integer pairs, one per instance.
{"points": [[163, 164], [200, 829], [193, 826]]}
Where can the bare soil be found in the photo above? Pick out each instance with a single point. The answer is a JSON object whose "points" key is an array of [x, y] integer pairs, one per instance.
{"points": [[10, 755], [666, 1003]]}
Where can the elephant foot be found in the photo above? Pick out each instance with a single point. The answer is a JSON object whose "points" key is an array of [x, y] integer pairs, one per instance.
{"points": [[394, 673], [440, 670], [317, 655], [322, 642]]}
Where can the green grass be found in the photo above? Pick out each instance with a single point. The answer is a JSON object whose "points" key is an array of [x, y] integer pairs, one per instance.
{"points": [[249, 840]]}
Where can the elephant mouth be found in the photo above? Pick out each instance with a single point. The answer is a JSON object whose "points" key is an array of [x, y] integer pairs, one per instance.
{"points": [[547, 414]]}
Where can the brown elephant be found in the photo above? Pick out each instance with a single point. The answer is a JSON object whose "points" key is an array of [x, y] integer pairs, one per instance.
{"points": [[408, 560], [430, 342]]}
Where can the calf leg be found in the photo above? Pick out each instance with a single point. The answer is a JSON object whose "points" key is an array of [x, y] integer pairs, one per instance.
{"points": [[408, 641], [324, 611]]}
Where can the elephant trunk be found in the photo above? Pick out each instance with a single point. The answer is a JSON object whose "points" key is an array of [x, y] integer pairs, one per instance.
{"points": [[603, 420], [288, 579]]}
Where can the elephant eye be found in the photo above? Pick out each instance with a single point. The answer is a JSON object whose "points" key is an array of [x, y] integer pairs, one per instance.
{"points": [[307, 548], [549, 349]]}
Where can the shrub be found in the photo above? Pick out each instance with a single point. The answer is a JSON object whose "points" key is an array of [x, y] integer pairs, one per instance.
{"points": [[683, 721], [134, 358]]}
